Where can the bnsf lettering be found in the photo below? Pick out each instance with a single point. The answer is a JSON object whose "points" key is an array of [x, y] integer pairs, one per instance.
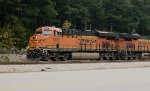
{"points": [[87, 41]]}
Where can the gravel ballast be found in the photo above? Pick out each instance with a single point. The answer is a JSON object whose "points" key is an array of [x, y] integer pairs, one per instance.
{"points": [[70, 67]]}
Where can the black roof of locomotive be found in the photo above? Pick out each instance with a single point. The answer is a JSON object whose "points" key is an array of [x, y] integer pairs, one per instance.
{"points": [[129, 36], [125, 36], [107, 34], [80, 32], [98, 33], [102, 34], [88, 33], [137, 36]]}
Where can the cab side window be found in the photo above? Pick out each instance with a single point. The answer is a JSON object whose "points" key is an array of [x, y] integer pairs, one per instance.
{"points": [[57, 33]]}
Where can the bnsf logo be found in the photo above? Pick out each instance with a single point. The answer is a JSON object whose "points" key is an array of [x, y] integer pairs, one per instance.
{"points": [[87, 41]]}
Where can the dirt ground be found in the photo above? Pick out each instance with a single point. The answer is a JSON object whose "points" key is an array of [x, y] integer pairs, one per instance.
{"points": [[132, 79], [70, 67]]}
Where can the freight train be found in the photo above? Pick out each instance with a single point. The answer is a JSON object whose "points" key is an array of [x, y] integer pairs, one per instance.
{"points": [[55, 44]]}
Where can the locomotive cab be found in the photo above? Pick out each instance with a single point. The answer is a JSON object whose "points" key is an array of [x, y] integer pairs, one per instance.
{"points": [[44, 37], [49, 31]]}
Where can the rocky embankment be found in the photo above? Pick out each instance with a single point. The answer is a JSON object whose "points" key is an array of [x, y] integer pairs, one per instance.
{"points": [[11, 58]]}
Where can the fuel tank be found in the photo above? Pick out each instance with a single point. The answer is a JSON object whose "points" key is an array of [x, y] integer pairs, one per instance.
{"points": [[85, 56]]}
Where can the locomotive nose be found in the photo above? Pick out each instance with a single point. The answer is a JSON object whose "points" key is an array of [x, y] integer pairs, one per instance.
{"points": [[37, 41], [34, 41]]}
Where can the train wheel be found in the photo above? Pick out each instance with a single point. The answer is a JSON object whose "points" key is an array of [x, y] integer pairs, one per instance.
{"points": [[55, 59], [43, 59], [37, 59], [134, 58], [52, 58], [101, 58], [110, 58], [105, 58], [64, 59], [116, 58], [137, 58], [126, 58], [129, 58]]}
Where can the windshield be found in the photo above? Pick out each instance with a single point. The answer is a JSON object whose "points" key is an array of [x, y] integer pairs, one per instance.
{"points": [[47, 32]]}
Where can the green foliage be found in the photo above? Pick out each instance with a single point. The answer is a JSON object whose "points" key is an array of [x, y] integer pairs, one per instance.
{"points": [[20, 36], [66, 24], [19, 18], [7, 38], [13, 37], [109, 15]]}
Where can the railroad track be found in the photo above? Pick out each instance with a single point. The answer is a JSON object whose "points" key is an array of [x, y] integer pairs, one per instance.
{"points": [[74, 61]]}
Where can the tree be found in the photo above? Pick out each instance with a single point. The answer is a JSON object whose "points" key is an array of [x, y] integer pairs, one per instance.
{"points": [[20, 36], [7, 38], [24, 16]]}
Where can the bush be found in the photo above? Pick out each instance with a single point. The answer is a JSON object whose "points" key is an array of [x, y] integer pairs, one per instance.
{"points": [[12, 37]]}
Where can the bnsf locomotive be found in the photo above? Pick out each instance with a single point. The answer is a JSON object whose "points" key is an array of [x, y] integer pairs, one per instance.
{"points": [[55, 44]]}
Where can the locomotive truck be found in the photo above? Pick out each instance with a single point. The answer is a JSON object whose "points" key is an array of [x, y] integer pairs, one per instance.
{"points": [[55, 44]]}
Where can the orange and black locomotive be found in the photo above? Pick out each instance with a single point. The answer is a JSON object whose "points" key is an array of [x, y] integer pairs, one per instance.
{"points": [[56, 44]]}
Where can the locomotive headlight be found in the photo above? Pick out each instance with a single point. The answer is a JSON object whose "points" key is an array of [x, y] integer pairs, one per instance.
{"points": [[36, 37]]}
